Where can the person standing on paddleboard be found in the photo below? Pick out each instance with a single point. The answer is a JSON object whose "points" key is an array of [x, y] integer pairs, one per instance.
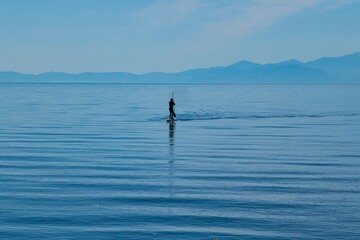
{"points": [[171, 109]]}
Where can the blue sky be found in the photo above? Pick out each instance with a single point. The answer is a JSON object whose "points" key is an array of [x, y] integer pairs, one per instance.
{"points": [[167, 35]]}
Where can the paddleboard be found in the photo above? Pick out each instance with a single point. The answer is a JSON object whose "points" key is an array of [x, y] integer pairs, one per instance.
{"points": [[170, 120]]}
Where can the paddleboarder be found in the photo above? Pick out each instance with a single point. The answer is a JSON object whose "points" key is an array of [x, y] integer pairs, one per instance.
{"points": [[171, 109]]}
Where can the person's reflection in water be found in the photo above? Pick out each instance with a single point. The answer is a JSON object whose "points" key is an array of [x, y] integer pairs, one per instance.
{"points": [[171, 160], [171, 142]]}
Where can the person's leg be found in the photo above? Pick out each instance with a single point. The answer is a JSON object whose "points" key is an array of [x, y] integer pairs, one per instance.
{"points": [[171, 113]]}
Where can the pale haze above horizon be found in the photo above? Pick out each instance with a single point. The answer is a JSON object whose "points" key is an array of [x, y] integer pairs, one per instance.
{"points": [[170, 36]]}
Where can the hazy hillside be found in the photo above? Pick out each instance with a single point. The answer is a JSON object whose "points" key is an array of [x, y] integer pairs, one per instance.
{"points": [[342, 68], [330, 69]]}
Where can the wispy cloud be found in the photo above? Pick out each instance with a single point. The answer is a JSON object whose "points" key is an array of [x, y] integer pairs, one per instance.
{"points": [[242, 20], [165, 13], [229, 18]]}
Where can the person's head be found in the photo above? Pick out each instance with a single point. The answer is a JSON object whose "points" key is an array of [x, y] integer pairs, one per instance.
{"points": [[171, 99]]}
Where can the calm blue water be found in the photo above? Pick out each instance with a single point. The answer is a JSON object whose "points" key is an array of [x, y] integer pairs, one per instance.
{"points": [[97, 161]]}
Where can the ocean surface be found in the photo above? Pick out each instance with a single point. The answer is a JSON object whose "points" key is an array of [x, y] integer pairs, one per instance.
{"points": [[246, 161]]}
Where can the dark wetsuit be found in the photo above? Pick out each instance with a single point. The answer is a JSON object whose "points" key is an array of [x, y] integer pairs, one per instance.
{"points": [[171, 109]]}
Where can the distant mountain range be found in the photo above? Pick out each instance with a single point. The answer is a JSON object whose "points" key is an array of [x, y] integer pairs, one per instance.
{"points": [[345, 69]]}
